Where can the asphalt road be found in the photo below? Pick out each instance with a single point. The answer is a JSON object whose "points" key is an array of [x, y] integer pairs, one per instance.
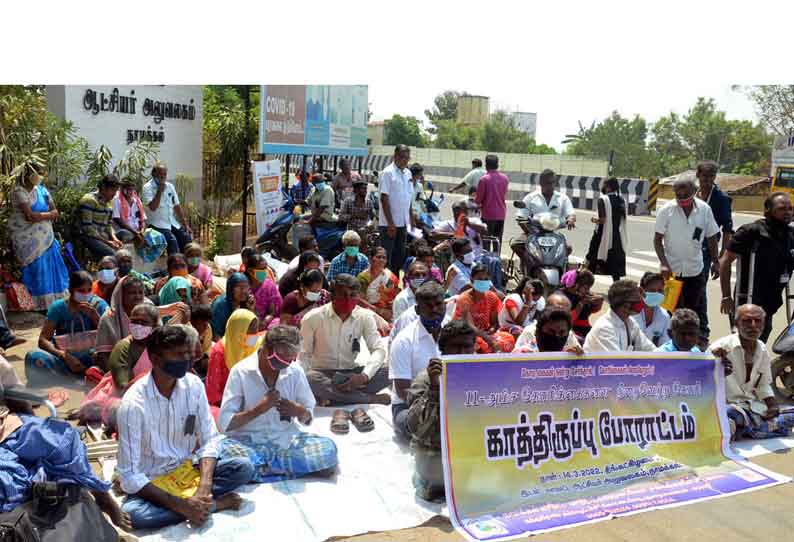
{"points": [[640, 257]]}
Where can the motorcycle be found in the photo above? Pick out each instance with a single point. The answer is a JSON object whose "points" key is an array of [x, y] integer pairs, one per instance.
{"points": [[547, 251], [274, 239], [783, 366]]}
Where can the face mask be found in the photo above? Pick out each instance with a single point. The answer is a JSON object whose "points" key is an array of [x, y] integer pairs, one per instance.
{"points": [[654, 299], [319, 186], [686, 203], [80, 297], [124, 270], [251, 340], [194, 261], [468, 258], [176, 369], [260, 275], [417, 282], [312, 296], [139, 332], [482, 286], [637, 307], [550, 343], [351, 251], [107, 276], [431, 324], [277, 363], [344, 306]]}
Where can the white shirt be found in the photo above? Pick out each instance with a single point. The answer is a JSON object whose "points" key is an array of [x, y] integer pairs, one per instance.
{"points": [[609, 334], [404, 301], [152, 439], [526, 342], [738, 388], [560, 205], [684, 253], [657, 332], [246, 387], [396, 183], [410, 353], [327, 341], [133, 221], [163, 217], [506, 320]]}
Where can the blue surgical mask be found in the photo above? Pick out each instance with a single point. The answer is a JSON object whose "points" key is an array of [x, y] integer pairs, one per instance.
{"points": [[319, 186], [654, 299], [106, 276], [81, 297], [417, 282], [482, 286], [431, 324], [351, 251], [468, 258], [176, 369]]}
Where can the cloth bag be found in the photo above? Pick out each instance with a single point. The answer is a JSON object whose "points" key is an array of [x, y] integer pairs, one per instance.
{"points": [[672, 292]]}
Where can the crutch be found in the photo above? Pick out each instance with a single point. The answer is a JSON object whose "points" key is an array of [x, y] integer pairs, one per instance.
{"points": [[748, 298]]}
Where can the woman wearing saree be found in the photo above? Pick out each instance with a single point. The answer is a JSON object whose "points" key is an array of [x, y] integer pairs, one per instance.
{"points": [[114, 325], [238, 296], [241, 339], [44, 272], [309, 295], [128, 361]]}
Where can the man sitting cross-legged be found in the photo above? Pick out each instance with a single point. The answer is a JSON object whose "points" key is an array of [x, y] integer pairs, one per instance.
{"points": [[266, 394], [164, 422]]}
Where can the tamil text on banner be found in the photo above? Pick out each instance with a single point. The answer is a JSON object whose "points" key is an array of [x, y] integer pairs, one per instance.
{"points": [[314, 119], [538, 442], [267, 193]]}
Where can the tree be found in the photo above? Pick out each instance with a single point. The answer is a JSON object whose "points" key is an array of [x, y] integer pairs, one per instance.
{"points": [[401, 130], [445, 108], [451, 135], [623, 137], [499, 134], [775, 105], [704, 133]]}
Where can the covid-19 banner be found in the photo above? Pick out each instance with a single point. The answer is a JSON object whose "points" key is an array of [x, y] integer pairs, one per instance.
{"points": [[533, 442]]}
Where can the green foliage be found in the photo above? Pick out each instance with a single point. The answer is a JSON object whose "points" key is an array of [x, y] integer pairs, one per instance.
{"points": [[445, 109], [626, 137], [675, 143], [775, 105], [497, 135], [405, 131], [216, 245]]}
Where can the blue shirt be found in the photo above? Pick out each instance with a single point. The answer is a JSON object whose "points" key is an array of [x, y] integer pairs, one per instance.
{"points": [[720, 204], [300, 192], [340, 265], [670, 347], [67, 322]]}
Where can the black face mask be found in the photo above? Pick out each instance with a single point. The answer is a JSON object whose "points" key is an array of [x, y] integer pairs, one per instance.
{"points": [[124, 270], [550, 343]]}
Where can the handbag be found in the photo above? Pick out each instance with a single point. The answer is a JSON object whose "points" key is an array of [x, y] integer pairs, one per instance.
{"points": [[672, 292], [77, 342], [57, 513]]}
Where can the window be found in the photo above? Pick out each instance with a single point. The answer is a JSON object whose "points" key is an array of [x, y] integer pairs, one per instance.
{"points": [[785, 178]]}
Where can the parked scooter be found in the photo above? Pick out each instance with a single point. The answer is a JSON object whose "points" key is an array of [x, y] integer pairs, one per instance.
{"points": [[547, 251], [274, 239]]}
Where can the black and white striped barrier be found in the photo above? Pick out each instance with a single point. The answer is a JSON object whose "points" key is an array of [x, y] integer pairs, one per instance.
{"points": [[583, 191]]}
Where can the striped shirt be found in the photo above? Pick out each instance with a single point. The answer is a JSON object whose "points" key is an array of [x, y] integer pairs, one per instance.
{"points": [[151, 430], [95, 216]]}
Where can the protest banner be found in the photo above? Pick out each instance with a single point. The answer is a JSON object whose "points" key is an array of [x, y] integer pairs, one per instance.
{"points": [[267, 192], [538, 442]]}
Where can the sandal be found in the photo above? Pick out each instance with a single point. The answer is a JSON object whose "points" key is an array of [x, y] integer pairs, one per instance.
{"points": [[362, 421], [340, 422]]}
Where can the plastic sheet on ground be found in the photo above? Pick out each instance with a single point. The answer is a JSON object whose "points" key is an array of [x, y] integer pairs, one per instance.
{"points": [[753, 448], [372, 491]]}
